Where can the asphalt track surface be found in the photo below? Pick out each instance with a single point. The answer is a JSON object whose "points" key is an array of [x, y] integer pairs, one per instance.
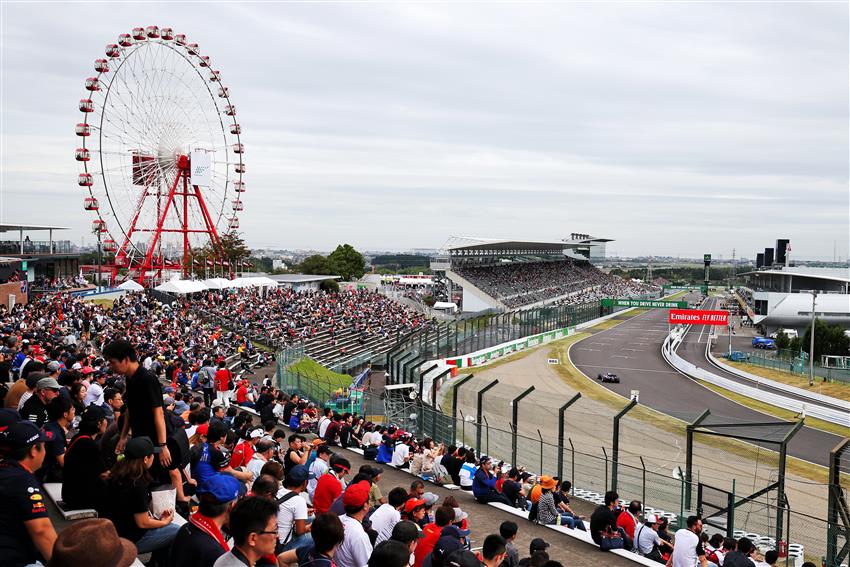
{"points": [[632, 350]]}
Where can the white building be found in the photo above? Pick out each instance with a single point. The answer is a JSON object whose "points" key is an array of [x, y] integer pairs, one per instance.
{"points": [[302, 282]]}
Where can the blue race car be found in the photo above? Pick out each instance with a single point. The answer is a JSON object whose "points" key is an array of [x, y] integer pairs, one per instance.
{"points": [[763, 342]]}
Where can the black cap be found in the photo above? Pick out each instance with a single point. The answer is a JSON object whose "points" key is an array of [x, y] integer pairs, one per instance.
{"points": [[462, 558], [21, 435], [93, 414], [406, 531], [538, 544], [138, 448], [8, 416]]}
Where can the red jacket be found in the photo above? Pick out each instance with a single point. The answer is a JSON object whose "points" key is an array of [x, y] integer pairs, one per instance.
{"points": [[426, 544], [222, 379], [626, 521], [328, 489]]}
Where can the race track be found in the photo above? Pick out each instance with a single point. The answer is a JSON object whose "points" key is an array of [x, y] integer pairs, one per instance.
{"points": [[632, 350]]}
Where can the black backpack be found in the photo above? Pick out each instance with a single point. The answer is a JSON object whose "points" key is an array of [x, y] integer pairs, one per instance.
{"points": [[532, 514], [176, 439], [370, 453]]}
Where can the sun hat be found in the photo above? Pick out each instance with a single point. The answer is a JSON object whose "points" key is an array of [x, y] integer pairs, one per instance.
{"points": [[95, 543], [548, 483]]}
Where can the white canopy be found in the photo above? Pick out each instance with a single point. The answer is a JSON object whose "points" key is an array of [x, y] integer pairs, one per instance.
{"points": [[181, 287], [131, 285], [254, 282], [217, 283]]}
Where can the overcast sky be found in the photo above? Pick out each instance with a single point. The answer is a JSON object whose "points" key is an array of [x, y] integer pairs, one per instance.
{"points": [[674, 128]]}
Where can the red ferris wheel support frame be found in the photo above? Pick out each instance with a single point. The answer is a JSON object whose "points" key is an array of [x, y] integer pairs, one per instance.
{"points": [[151, 261]]}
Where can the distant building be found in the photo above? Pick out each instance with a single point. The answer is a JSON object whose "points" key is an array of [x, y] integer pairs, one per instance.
{"points": [[302, 282]]}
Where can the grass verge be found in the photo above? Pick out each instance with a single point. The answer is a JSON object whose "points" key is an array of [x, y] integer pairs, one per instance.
{"points": [[313, 370], [833, 389]]}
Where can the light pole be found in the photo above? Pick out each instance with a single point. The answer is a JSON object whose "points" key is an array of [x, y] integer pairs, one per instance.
{"points": [[812, 341], [99, 261]]}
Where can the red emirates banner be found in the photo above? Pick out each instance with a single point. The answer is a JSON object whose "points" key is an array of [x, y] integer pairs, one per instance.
{"points": [[697, 317]]}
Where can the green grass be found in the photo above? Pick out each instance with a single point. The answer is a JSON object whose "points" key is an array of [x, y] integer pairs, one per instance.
{"points": [[311, 369]]}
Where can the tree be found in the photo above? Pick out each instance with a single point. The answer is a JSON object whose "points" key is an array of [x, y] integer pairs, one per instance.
{"points": [[231, 249], [782, 340], [347, 262], [330, 286], [315, 264], [829, 339]]}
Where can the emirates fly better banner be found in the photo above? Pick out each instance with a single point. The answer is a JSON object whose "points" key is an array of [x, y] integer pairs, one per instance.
{"points": [[697, 317]]}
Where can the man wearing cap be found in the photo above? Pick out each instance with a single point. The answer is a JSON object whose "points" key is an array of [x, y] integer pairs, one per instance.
{"points": [[647, 542], [484, 484], [409, 534], [356, 547], [35, 408], [293, 530], [329, 487], [26, 533], [200, 542], [452, 539], [431, 533], [244, 450]]}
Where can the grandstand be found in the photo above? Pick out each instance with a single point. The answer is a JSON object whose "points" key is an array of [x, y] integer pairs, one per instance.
{"points": [[483, 273]]}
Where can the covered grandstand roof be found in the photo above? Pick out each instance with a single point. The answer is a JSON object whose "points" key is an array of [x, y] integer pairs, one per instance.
{"points": [[457, 243], [831, 274]]}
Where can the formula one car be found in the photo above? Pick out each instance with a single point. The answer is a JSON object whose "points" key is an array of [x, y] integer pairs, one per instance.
{"points": [[609, 377]]}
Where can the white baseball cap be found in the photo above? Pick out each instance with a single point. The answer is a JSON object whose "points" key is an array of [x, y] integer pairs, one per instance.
{"points": [[256, 433], [652, 519]]}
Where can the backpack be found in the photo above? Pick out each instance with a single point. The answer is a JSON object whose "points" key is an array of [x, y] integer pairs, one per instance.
{"points": [[176, 439], [370, 453]]}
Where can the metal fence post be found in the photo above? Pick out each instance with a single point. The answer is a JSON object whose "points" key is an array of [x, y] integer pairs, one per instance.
{"points": [[456, 395], [615, 455], [572, 463], [689, 454], [643, 481], [515, 407], [462, 429], [561, 411], [541, 451], [605, 454], [486, 436], [479, 411]]}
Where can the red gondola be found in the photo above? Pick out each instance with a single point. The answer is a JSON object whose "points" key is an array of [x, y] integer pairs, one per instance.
{"points": [[235, 129], [85, 180], [166, 34], [238, 206], [125, 40], [92, 84], [113, 51], [82, 154], [152, 32], [86, 105], [180, 38], [82, 129], [109, 245], [204, 61], [98, 225], [240, 168], [101, 65], [239, 186], [230, 110], [233, 223], [223, 92], [139, 34], [193, 49], [215, 76], [238, 148], [91, 204]]}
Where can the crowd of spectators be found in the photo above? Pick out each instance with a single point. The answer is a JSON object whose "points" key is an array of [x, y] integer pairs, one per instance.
{"points": [[285, 317], [524, 283]]}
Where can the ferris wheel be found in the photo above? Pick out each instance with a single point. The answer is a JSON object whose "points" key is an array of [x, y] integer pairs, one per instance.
{"points": [[160, 154]]}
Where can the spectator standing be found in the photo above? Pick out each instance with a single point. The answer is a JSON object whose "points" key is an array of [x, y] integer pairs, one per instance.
{"points": [[200, 542], [484, 484], [356, 547], [253, 525], [26, 533], [223, 384], [688, 550], [206, 380], [144, 415]]}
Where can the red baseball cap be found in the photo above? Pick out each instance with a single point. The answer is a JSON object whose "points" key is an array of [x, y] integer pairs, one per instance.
{"points": [[357, 494], [413, 503], [203, 429]]}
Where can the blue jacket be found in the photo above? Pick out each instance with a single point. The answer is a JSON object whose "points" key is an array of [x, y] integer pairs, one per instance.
{"points": [[483, 483]]}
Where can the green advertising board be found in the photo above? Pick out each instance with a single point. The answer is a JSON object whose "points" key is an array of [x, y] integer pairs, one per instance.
{"points": [[652, 303], [706, 257]]}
